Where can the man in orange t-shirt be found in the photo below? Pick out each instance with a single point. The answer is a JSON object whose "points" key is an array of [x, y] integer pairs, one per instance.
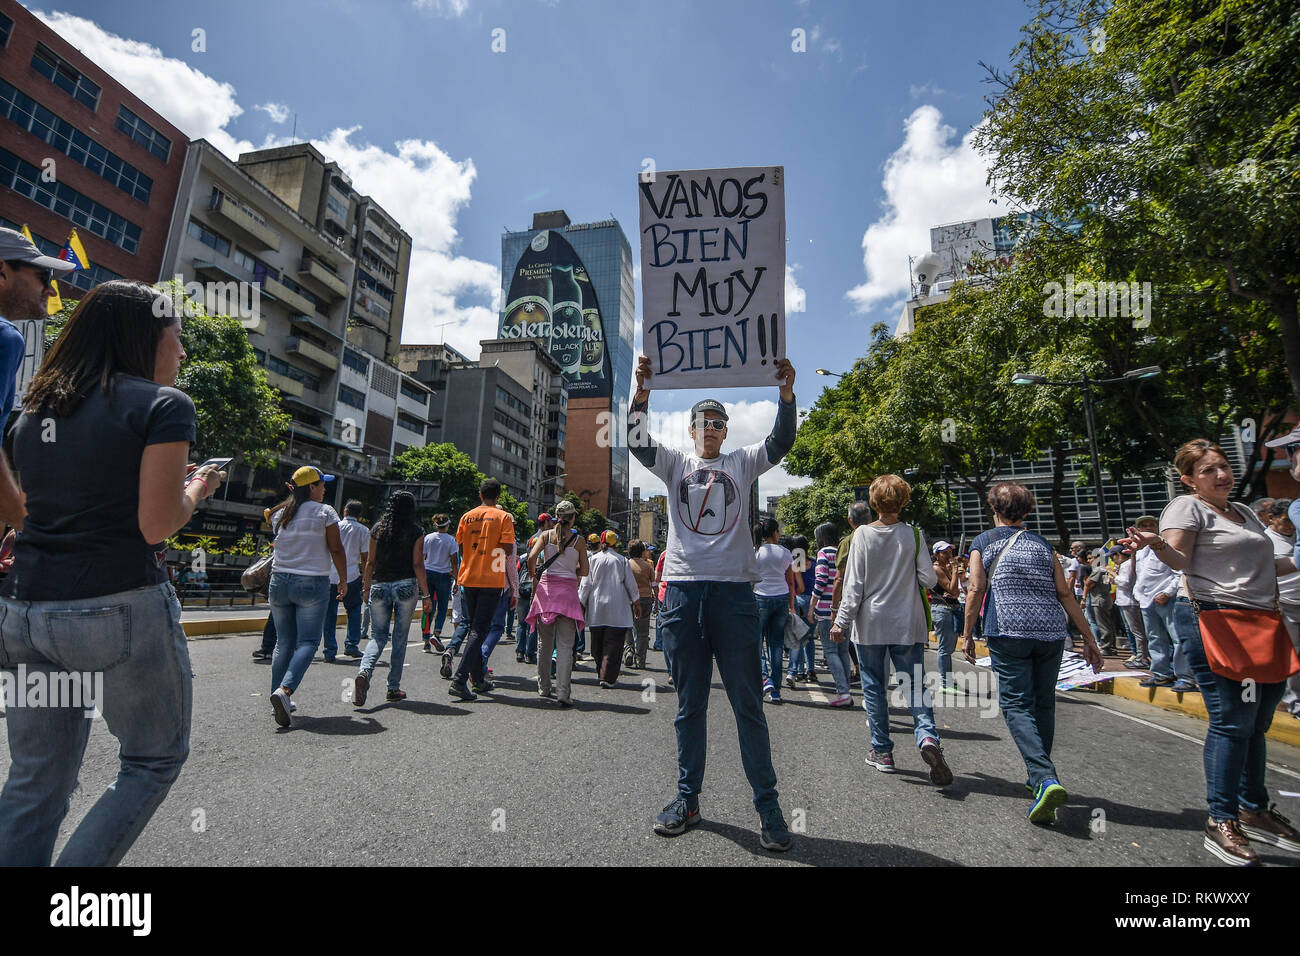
{"points": [[486, 537]]}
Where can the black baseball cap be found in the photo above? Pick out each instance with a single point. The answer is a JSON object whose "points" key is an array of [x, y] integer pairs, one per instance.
{"points": [[710, 406]]}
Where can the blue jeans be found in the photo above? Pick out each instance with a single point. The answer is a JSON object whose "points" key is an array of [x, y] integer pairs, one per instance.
{"points": [[391, 605], [526, 638], [945, 628], [804, 657], [702, 621], [498, 627], [440, 590], [772, 615], [873, 669], [1235, 754], [1027, 672], [298, 602], [837, 656], [1164, 642], [133, 641], [458, 636], [351, 604], [658, 645], [480, 606]]}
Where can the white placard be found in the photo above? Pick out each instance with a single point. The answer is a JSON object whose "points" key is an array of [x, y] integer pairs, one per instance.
{"points": [[713, 276]]}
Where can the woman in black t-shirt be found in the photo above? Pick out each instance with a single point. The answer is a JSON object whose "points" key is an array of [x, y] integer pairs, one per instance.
{"points": [[101, 452]]}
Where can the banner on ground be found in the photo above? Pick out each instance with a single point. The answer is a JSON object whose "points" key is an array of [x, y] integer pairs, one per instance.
{"points": [[713, 275]]}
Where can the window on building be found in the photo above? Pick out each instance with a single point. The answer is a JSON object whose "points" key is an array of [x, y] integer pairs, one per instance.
{"points": [[356, 362], [143, 134], [25, 179], [209, 238], [6, 30], [65, 76], [350, 396], [281, 367], [415, 394], [410, 422]]}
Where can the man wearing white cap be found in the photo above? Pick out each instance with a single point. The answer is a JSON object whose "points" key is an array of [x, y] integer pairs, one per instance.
{"points": [[1290, 443], [26, 281]]}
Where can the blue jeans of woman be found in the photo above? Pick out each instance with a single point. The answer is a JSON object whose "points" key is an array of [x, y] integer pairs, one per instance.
{"points": [[1027, 672], [298, 602], [131, 649], [909, 664], [945, 628], [351, 604], [803, 658], [1235, 754], [498, 627], [837, 656], [772, 615], [440, 589], [526, 639], [392, 603]]}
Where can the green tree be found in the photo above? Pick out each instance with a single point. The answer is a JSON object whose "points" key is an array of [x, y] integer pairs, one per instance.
{"points": [[524, 525], [457, 476], [589, 521], [801, 510]]}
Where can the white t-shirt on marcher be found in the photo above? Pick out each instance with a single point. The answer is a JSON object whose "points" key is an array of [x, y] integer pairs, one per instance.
{"points": [[708, 509], [1288, 585], [438, 549], [772, 561], [300, 548], [356, 542]]}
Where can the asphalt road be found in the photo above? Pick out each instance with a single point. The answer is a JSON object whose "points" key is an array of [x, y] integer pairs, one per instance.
{"points": [[510, 779]]}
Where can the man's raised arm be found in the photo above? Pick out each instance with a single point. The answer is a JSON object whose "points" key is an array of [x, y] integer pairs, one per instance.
{"points": [[639, 442]]}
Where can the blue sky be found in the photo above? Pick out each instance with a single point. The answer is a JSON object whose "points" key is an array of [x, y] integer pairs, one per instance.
{"points": [[458, 141]]}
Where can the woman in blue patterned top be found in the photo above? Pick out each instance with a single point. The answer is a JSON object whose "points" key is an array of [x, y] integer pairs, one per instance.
{"points": [[1024, 624]]}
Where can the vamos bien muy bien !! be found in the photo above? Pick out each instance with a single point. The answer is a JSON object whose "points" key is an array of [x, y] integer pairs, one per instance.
{"points": [[713, 271]]}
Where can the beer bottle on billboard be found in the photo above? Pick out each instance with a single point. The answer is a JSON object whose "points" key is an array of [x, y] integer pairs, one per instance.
{"points": [[566, 319], [593, 340], [528, 314]]}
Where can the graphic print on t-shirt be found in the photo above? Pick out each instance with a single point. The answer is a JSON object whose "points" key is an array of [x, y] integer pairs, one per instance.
{"points": [[708, 502]]}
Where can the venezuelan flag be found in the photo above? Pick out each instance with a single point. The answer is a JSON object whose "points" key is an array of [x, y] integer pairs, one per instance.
{"points": [[75, 252], [54, 303]]}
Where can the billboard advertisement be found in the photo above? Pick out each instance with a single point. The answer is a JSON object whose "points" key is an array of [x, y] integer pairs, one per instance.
{"points": [[551, 297]]}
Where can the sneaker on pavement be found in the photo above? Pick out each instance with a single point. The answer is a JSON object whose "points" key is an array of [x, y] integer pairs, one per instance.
{"points": [[1269, 826], [772, 698], [481, 686], [1154, 681], [1184, 687], [261, 655], [932, 754], [1050, 796], [280, 705], [293, 708], [353, 652], [360, 687], [445, 669], [882, 762], [435, 643], [1225, 840], [531, 659], [427, 648], [458, 689], [775, 835], [677, 818], [841, 700], [395, 695]]}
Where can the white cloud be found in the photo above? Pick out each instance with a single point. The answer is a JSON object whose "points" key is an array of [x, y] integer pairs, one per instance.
{"points": [[748, 422], [925, 89], [418, 183], [443, 8], [796, 300], [931, 179], [277, 111]]}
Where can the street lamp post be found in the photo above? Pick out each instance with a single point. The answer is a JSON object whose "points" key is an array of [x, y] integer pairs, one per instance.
{"points": [[822, 371], [1086, 383]]}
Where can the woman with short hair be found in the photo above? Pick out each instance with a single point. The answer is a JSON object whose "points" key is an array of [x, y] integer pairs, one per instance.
{"points": [[1024, 626], [838, 656], [100, 450], [775, 591], [888, 565], [1227, 561]]}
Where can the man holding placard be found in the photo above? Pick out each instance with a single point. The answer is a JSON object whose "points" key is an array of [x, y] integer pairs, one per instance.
{"points": [[709, 611]]}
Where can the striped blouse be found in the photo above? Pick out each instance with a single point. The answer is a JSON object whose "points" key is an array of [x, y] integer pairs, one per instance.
{"points": [[824, 583]]}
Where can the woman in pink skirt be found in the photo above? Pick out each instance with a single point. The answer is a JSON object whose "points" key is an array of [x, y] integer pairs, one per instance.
{"points": [[560, 555]]}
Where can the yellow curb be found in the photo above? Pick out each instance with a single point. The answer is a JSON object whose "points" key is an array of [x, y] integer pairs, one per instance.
{"points": [[1284, 729], [243, 625]]}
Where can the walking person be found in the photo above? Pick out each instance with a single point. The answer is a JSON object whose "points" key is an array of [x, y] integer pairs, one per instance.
{"points": [[888, 565], [859, 514], [307, 543], [803, 659], [643, 571], [556, 561], [1227, 562], [526, 642], [775, 592], [503, 617], [1096, 591], [610, 601], [356, 547], [709, 610], [1282, 533], [837, 653], [1128, 608], [1020, 592], [88, 592], [393, 578], [486, 538], [441, 562], [943, 611], [1155, 586]]}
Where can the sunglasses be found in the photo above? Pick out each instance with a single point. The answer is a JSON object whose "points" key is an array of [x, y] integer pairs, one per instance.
{"points": [[46, 274], [1292, 448], [717, 424]]}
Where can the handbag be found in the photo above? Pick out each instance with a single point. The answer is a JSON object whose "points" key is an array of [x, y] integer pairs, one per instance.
{"points": [[257, 575], [796, 632], [1246, 643], [925, 597], [988, 592]]}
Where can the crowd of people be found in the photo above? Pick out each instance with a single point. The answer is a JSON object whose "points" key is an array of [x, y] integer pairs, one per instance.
{"points": [[1207, 596]]}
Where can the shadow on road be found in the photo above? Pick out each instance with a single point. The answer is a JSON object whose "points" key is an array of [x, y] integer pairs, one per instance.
{"points": [[425, 707], [335, 726], [815, 851]]}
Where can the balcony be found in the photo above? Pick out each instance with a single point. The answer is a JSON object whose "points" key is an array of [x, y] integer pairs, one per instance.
{"points": [[249, 222], [278, 290], [311, 325], [381, 246], [310, 351], [362, 305], [325, 277], [285, 384], [254, 326]]}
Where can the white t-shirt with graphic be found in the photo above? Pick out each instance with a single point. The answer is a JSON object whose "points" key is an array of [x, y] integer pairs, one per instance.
{"points": [[708, 513]]}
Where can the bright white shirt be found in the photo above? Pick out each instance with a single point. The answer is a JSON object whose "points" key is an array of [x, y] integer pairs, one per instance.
{"points": [[608, 591], [1074, 566], [1288, 585], [708, 506], [1153, 577], [1124, 579], [300, 548], [772, 561], [438, 549], [356, 542], [882, 579]]}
